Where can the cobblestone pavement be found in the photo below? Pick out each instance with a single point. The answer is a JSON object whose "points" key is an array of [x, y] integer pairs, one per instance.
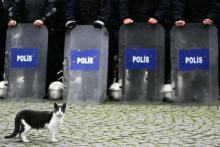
{"points": [[114, 125]]}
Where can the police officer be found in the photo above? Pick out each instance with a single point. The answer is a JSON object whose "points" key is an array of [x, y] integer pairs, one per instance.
{"points": [[1, 38], [1, 10], [5, 7], [7, 4], [1, 13], [56, 42], [113, 28], [94, 12], [205, 11], [150, 11], [87, 12], [31, 11], [5, 10]]}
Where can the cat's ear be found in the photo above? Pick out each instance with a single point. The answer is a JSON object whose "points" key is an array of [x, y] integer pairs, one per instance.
{"points": [[56, 106], [64, 105]]}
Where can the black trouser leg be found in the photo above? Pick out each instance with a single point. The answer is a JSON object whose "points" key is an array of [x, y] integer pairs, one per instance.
{"points": [[55, 55], [3, 29], [113, 56]]}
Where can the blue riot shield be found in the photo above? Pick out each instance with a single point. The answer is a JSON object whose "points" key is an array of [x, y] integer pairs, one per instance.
{"points": [[25, 61], [194, 53], [86, 65], [142, 62]]}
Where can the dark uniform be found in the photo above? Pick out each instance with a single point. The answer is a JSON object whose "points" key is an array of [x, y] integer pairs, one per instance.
{"points": [[8, 5], [90, 12], [56, 42], [27, 11], [113, 26], [5, 8], [1, 11], [1, 15], [87, 11], [142, 10], [168, 24], [196, 10], [2, 34]]}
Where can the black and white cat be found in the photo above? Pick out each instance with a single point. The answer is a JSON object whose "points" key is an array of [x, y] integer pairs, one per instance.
{"points": [[25, 120]]}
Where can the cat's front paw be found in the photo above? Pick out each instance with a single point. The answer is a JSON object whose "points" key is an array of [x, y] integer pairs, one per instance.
{"points": [[54, 140]]}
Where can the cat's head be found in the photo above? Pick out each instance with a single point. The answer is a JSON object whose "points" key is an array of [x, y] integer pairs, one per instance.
{"points": [[59, 110]]}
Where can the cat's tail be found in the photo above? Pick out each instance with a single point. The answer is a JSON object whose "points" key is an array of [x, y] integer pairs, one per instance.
{"points": [[16, 130]]}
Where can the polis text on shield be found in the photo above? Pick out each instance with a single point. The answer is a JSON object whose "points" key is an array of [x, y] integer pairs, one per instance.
{"points": [[140, 59], [24, 58], [85, 60], [194, 60]]}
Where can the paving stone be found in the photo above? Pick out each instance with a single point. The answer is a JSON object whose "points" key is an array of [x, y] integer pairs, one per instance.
{"points": [[120, 125]]}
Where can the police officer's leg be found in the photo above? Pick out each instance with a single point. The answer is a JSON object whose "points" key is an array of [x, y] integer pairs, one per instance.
{"points": [[167, 55], [113, 56], [55, 55], [218, 27], [3, 29]]}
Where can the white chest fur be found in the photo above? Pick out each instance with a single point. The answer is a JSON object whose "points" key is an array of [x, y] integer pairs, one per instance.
{"points": [[54, 123]]}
